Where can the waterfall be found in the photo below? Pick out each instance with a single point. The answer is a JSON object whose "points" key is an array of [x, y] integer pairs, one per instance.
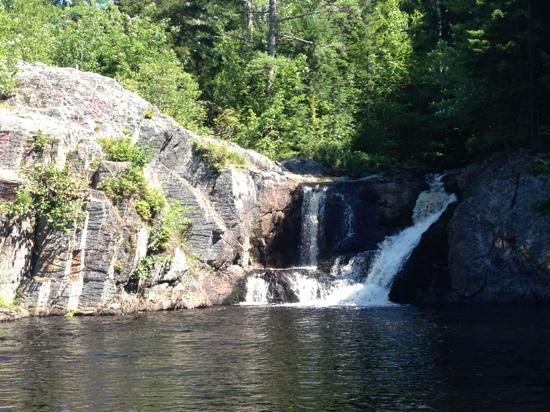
{"points": [[348, 284], [394, 251], [312, 219], [256, 291]]}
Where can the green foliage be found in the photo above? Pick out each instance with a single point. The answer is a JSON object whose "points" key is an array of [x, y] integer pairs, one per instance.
{"points": [[131, 184], [150, 204], [7, 81], [174, 227], [149, 113], [219, 156], [118, 267], [354, 84], [136, 50], [144, 267], [53, 195], [70, 313], [41, 140], [123, 150], [4, 303]]}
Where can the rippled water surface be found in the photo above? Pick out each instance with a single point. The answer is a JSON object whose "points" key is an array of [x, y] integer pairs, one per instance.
{"points": [[280, 358]]}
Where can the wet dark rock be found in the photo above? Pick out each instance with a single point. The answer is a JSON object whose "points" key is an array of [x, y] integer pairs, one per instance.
{"points": [[499, 238], [494, 246], [361, 213], [425, 276], [302, 166]]}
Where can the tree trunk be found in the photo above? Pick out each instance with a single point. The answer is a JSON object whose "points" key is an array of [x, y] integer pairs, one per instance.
{"points": [[533, 120], [272, 39], [273, 22], [437, 6], [249, 17]]}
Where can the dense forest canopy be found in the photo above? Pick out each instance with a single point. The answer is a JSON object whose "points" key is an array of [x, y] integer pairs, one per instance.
{"points": [[355, 84]]}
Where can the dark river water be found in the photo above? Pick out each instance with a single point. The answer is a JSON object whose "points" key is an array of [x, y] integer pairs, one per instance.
{"points": [[281, 359]]}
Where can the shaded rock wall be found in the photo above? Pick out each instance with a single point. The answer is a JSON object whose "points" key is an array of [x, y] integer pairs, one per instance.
{"points": [[494, 247]]}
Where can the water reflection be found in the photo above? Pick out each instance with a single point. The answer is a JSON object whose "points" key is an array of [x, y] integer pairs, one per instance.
{"points": [[279, 358]]}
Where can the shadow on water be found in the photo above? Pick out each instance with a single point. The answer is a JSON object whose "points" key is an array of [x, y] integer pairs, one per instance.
{"points": [[280, 358]]}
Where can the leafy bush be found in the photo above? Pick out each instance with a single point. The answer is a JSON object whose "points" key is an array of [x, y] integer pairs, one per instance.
{"points": [[145, 265], [136, 51], [218, 156], [150, 204], [51, 194], [41, 140], [173, 227], [123, 150], [4, 303], [131, 184], [7, 82]]}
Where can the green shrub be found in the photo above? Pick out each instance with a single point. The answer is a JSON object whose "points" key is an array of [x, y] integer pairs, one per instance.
{"points": [[131, 183], [41, 140], [149, 206], [149, 113], [218, 156], [173, 227], [144, 267], [7, 81], [118, 267], [122, 150], [52, 194], [4, 303]]}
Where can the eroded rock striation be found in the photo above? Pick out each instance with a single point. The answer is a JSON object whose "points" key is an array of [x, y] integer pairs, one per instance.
{"points": [[88, 269]]}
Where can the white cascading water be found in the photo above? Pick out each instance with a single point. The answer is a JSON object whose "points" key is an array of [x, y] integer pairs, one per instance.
{"points": [[393, 252], [312, 208], [256, 291]]}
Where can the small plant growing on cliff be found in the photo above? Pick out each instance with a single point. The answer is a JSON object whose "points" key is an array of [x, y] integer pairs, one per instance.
{"points": [[218, 156], [131, 184], [41, 140], [173, 227], [70, 313], [149, 113], [7, 78], [4, 303], [144, 267], [118, 267], [122, 150], [52, 194]]}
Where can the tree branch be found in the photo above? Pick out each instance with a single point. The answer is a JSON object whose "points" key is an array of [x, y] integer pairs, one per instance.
{"points": [[299, 16]]}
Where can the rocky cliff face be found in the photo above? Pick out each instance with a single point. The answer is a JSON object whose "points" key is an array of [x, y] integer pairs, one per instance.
{"points": [[88, 268], [495, 246]]}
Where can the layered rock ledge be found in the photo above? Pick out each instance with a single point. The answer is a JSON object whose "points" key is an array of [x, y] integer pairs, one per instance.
{"points": [[87, 269]]}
